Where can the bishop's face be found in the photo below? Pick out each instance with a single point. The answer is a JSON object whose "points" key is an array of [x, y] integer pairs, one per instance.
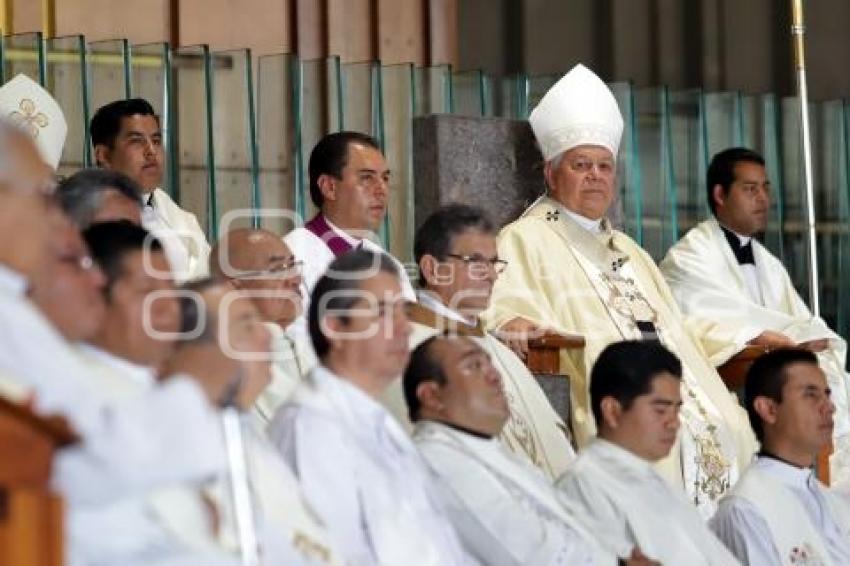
{"points": [[583, 180], [743, 209]]}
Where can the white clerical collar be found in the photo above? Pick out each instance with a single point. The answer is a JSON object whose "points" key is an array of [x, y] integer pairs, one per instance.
{"points": [[12, 282], [743, 239], [592, 226], [351, 240], [788, 474], [622, 456], [430, 301], [142, 375]]}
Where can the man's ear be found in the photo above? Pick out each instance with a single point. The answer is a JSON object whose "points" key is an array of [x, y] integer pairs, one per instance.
{"points": [[327, 186], [718, 195], [547, 174], [612, 412], [101, 155], [430, 396], [332, 327], [766, 409], [428, 267]]}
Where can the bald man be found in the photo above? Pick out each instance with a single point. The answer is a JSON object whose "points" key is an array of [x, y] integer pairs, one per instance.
{"points": [[259, 263]]}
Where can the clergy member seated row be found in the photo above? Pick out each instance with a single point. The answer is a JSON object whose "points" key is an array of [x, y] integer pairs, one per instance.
{"points": [[455, 249], [779, 513], [505, 510], [357, 467], [350, 186], [636, 395], [568, 270], [719, 269]]}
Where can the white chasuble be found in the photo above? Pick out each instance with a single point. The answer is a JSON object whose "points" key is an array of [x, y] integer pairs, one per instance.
{"points": [[181, 236], [707, 281], [781, 514], [623, 500], [504, 509], [534, 430], [607, 289]]}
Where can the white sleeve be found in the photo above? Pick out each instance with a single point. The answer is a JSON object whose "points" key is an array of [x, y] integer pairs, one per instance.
{"points": [[320, 454], [741, 528], [170, 434]]}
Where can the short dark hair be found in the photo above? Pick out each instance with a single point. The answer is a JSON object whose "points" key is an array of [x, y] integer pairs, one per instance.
{"points": [[721, 170], [110, 242], [81, 194], [106, 123], [436, 235], [341, 278], [767, 377], [190, 310], [625, 371], [423, 366], [330, 156]]}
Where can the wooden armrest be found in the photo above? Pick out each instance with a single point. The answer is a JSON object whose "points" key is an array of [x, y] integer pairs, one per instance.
{"points": [[544, 352], [734, 371]]}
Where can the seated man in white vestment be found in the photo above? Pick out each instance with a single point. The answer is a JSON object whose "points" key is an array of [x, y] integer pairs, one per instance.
{"points": [[39, 361], [131, 528], [719, 269], [455, 249], [99, 195], [350, 186], [505, 510], [127, 137], [568, 270], [215, 314], [258, 263], [636, 396], [779, 513], [357, 467]]}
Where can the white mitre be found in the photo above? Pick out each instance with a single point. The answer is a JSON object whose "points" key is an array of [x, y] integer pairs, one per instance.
{"points": [[24, 102], [578, 110]]}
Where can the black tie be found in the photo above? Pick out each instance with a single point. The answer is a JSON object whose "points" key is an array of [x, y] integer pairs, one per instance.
{"points": [[743, 252]]}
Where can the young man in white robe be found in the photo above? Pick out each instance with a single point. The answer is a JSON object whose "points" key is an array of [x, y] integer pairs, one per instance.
{"points": [[569, 271], [455, 249], [719, 269], [356, 465], [779, 513], [127, 137], [636, 395], [169, 426], [258, 263], [506, 511], [350, 187]]}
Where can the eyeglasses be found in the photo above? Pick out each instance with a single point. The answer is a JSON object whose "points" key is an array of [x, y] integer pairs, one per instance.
{"points": [[288, 270], [481, 262], [605, 167]]}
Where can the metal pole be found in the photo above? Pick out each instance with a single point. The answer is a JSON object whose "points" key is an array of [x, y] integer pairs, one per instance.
{"points": [[798, 30]]}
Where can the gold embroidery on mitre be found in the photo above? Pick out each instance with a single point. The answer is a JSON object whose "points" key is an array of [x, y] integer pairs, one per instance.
{"points": [[29, 117]]}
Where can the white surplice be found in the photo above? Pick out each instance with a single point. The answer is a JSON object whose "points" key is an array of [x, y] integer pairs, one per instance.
{"points": [[167, 428], [185, 243], [363, 476], [504, 509], [707, 281], [780, 514], [293, 358], [534, 430], [625, 503], [599, 283], [317, 256]]}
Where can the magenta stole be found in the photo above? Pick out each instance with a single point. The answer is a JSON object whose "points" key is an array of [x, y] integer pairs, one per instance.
{"points": [[320, 227]]}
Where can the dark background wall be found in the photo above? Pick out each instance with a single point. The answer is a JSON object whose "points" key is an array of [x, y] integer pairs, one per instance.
{"points": [[717, 44]]}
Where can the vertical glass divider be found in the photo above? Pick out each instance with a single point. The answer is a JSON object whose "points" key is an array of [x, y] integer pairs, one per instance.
{"points": [[667, 165], [298, 142], [253, 142], [635, 168], [211, 191]]}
